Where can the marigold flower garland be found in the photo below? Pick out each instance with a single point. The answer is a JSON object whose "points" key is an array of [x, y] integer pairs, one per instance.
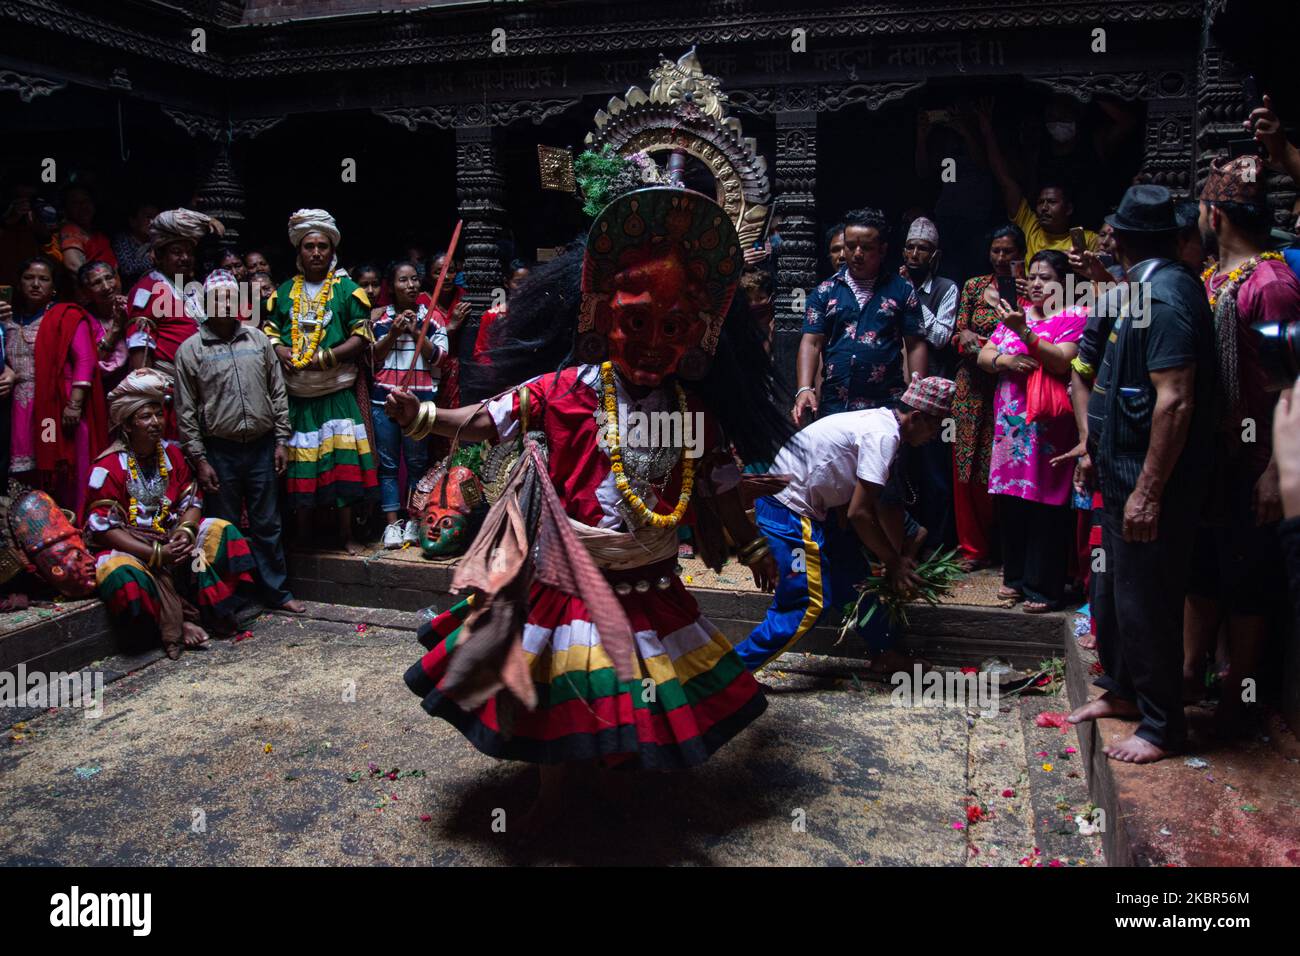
{"points": [[134, 511], [302, 355], [1237, 275], [633, 500]]}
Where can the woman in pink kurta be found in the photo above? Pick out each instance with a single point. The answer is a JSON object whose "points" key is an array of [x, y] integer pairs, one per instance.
{"points": [[107, 305], [1033, 494]]}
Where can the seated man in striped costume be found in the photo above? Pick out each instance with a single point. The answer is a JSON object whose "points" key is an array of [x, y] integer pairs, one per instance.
{"points": [[161, 567]]}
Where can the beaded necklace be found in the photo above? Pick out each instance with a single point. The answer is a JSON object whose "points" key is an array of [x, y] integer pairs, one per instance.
{"points": [[633, 500], [133, 512]]}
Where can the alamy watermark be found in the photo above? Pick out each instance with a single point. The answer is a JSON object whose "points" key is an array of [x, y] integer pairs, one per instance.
{"points": [[84, 689], [240, 300], [667, 429], [964, 689]]}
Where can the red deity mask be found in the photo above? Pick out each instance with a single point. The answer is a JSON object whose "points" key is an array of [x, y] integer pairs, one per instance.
{"points": [[51, 545], [652, 320], [660, 272]]}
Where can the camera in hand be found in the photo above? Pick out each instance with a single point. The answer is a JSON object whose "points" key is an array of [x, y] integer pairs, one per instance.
{"points": [[1279, 353], [45, 211]]}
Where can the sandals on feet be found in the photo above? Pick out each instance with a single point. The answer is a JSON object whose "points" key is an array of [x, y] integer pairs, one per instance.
{"points": [[1038, 607]]}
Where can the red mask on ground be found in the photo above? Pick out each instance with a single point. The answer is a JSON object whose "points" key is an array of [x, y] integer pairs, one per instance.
{"points": [[652, 319], [52, 545]]}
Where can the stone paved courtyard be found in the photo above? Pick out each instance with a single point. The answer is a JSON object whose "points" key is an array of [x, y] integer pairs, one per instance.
{"points": [[254, 753]]}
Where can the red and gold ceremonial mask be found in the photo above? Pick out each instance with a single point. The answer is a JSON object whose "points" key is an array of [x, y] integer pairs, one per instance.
{"points": [[52, 545], [660, 271], [68, 566], [653, 318]]}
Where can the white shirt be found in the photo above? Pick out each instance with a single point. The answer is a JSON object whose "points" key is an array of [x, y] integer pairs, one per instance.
{"points": [[829, 457]]}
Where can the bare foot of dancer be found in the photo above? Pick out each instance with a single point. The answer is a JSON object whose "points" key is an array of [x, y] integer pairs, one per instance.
{"points": [[1133, 749], [293, 606], [1088, 641], [546, 809], [194, 635], [346, 542], [1107, 705]]}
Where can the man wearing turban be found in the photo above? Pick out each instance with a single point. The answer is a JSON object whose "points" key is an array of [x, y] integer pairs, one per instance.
{"points": [[166, 306], [161, 567], [318, 324]]}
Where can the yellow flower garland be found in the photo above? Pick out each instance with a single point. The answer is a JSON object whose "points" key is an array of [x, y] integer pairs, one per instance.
{"points": [[134, 511], [639, 508], [302, 355], [1236, 275]]}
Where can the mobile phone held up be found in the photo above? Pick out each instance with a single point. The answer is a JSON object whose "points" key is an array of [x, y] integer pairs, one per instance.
{"points": [[1077, 240], [1007, 289], [1246, 146]]}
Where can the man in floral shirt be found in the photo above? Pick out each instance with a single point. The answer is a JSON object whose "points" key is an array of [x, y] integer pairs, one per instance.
{"points": [[859, 322]]}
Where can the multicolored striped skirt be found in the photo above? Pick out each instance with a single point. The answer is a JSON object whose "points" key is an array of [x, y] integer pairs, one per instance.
{"points": [[130, 590], [331, 464], [689, 696]]}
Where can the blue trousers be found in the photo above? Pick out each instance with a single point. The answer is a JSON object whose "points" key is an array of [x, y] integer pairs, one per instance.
{"points": [[819, 563], [393, 447]]}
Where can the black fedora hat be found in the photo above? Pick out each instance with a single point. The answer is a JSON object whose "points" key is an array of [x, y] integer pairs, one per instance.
{"points": [[1145, 209]]}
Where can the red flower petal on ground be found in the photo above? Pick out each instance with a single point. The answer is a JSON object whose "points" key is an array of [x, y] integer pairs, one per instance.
{"points": [[974, 814], [1008, 792], [1052, 718]]}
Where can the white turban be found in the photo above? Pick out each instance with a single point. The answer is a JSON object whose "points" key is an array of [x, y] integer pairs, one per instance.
{"points": [[312, 220], [181, 225], [924, 230]]}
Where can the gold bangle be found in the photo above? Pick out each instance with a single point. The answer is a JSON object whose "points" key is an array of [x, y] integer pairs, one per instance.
{"points": [[752, 545], [422, 425], [155, 559], [756, 556], [188, 530]]}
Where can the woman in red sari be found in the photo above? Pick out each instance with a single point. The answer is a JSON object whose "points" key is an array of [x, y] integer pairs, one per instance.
{"points": [[59, 420]]}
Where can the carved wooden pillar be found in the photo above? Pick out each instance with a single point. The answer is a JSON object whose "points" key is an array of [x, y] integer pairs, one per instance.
{"points": [[795, 202], [1169, 151], [221, 192], [480, 196], [1220, 106], [221, 195]]}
